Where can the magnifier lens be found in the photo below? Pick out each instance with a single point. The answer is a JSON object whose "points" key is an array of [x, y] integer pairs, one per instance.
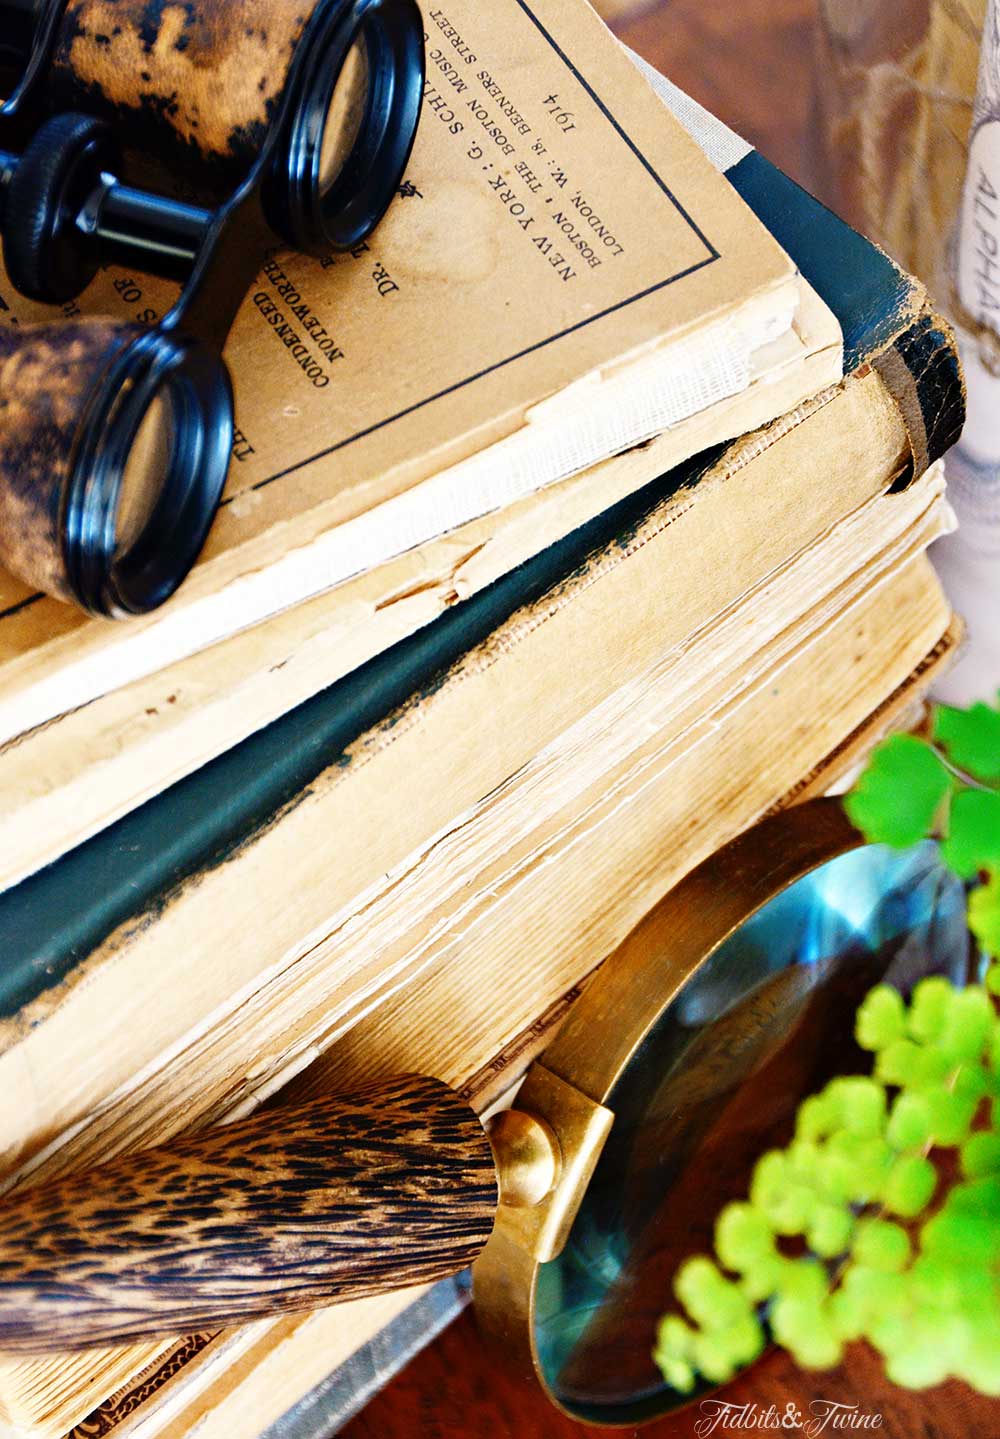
{"points": [[344, 116], [146, 470], [766, 1020]]}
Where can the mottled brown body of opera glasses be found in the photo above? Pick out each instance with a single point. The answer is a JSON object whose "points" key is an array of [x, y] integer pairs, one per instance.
{"points": [[684, 1059], [288, 122]]}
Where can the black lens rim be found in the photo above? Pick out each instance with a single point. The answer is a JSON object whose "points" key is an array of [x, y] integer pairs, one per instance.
{"points": [[338, 218], [103, 579]]}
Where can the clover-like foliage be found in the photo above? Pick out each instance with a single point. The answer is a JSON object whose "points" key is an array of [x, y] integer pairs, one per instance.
{"points": [[881, 1219]]}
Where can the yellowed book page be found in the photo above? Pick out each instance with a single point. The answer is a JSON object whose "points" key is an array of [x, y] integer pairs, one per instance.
{"points": [[37, 1395], [265, 907], [471, 896], [378, 938], [70, 778], [279, 1361], [668, 814], [290, 1358], [561, 243]]}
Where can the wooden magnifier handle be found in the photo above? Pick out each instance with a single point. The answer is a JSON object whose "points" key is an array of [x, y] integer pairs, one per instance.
{"points": [[291, 1209]]}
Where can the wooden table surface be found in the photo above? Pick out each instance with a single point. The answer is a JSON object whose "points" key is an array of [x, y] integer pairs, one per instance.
{"points": [[749, 61]]}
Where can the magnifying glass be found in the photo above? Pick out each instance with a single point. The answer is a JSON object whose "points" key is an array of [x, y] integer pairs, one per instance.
{"points": [[683, 1060]]}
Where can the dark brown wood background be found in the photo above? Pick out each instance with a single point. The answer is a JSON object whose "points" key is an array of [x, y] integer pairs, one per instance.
{"points": [[750, 62]]}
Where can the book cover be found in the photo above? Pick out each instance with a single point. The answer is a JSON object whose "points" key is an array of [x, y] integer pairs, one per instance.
{"points": [[57, 916], [561, 276]]}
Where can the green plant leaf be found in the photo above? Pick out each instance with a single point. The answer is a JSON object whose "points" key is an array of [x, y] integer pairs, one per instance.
{"points": [[881, 1019], [984, 914], [971, 737], [925, 1291], [973, 841], [897, 799], [882, 1245]]}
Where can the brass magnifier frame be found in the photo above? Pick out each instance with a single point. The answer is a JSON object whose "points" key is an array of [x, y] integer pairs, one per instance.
{"points": [[568, 1089]]}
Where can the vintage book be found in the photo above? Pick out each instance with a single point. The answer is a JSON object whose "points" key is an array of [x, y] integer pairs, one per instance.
{"points": [[182, 965], [231, 880], [344, 959], [241, 1383], [67, 780], [596, 610], [562, 276], [78, 926]]}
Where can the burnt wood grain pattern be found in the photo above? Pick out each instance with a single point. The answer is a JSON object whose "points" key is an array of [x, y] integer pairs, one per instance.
{"points": [[290, 1210], [192, 82], [47, 374]]}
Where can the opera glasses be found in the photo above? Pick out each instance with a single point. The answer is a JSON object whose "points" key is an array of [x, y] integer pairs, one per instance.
{"points": [[286, 124]]}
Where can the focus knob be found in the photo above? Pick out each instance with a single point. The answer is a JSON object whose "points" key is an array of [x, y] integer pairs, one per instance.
{"points": [[44, 247]]}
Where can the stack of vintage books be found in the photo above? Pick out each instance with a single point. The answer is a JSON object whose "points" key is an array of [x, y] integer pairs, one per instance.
{"points": [[499, 632]]}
